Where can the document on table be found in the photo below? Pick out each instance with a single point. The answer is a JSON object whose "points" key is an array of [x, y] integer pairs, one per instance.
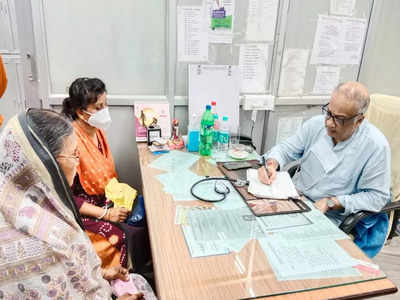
{"points": [[294, 66], [253, 65], [261, 20], [213, 232], [326, 79], [345, 272], [288, 258], [281, 188], [178, 184], [200, 248], [174, 160], [321, 227], [192, 34]]}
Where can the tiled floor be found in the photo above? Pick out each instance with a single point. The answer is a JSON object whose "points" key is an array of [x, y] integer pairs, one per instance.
{"points": [[389, 261]]}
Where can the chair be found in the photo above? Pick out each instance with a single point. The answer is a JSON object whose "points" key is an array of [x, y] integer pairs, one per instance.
{"points": [[384, 113]]}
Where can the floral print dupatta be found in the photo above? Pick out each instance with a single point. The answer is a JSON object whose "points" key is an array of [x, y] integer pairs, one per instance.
{"points": [[44, 252]]}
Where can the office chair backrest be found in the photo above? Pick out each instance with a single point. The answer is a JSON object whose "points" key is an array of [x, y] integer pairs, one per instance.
{"points": [[384, 113]]}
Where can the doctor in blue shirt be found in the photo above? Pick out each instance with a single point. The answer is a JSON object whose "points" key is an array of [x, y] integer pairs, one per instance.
{"points": [[345, 164]]}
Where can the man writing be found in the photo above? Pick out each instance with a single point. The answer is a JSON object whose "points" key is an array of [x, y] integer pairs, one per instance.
{"points": [[345, 160]]}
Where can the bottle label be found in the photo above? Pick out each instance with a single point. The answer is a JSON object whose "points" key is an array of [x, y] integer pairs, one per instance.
{"points": [[224, 137]]}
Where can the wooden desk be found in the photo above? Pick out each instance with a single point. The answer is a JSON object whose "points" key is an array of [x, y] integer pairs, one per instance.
{"points": [[179, 276]]}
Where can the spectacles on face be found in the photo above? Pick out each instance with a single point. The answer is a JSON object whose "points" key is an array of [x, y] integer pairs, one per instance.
{"points": [[75, 155], [338, 120]]}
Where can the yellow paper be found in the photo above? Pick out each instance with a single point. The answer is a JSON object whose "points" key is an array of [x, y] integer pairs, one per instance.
{"points": [[121, 194]]}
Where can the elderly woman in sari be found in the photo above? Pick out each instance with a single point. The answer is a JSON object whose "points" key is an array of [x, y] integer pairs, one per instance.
{"points": [[44, 251], [87, 107]]}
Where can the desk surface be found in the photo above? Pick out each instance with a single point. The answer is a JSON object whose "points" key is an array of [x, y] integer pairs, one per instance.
{"points": [[179, 276]]}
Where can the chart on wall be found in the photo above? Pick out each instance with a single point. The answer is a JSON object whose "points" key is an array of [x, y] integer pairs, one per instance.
{"points": [[323, 45], [228, 32], [220, 83]]}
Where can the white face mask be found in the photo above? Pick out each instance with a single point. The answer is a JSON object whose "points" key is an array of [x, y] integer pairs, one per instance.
{"points": [[100, 119]]}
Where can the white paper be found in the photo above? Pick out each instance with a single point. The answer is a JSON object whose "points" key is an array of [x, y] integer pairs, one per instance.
{"points": [[219, 35], [354, 33], [220, 83], [338, 40], [292, 259], [261, 20], [192, 36], [326, 79], [253, 64], [293, 72], [328, 41], [287, 126], [342, 7], [281, 188]]}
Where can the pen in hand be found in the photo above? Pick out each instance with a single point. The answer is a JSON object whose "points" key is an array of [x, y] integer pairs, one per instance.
{"points": [[266, 168]]}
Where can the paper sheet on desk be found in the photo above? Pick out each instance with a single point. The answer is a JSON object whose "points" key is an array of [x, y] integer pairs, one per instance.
{"points": [[178, 184], [174, 160], [281, 188], [308, 256]]}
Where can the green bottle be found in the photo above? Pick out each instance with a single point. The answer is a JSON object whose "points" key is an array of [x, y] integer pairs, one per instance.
{"points": [[206, 132]]}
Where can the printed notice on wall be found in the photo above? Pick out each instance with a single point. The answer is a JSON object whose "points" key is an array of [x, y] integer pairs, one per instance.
{"points": [[220, 18], [338, 40], [293, 72], [253, 63], [342, 7], [192, 36], [261, 20], [326, 79]]}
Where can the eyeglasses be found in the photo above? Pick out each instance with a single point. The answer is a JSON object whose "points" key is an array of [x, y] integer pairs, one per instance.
{"points": [[75, 155], [338, 120]]}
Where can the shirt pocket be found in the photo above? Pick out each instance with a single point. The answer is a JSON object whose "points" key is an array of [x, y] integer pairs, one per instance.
{"points": [[317, 163]]}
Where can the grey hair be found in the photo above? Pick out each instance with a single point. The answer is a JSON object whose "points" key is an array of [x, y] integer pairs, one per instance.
{"points": [[354, 93], [52, 128]]}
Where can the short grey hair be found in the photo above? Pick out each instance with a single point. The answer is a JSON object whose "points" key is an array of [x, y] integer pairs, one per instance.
{"points": [[51, 127], [356, 92]]}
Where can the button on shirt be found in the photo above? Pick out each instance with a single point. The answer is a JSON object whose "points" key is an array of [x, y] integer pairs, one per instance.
{"points": [[356, 171]]}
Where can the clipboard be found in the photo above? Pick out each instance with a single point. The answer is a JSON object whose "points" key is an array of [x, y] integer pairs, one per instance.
{"points": [[263, 206]]}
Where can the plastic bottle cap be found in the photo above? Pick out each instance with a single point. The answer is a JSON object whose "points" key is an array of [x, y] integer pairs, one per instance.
{"points": [[213, 103], [208, 106], [225, 118], [215, 117]]}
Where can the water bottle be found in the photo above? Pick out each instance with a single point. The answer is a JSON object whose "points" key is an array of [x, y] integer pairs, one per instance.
{"points": [[216, 132], [223, 140], [216, 124], [206, 132], [194, 134]]}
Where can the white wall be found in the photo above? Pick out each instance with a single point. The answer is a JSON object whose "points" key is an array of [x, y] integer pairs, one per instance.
{"points": [[381, 66]]}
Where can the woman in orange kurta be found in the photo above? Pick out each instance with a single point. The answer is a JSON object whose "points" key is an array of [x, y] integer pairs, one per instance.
{"points": [[113, 240]]}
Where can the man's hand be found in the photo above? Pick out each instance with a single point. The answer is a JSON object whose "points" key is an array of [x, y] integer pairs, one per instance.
{"points": [[323, 206], [116, 272], [267, 174], [117, 214], [138, 296]]}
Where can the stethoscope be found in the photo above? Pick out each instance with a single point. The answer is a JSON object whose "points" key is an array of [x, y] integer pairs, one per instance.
{"points": [[219, 187]]}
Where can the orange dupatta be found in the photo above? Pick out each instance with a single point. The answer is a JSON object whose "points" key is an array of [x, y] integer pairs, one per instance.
{"points": [[95, 169], [3, 83]]}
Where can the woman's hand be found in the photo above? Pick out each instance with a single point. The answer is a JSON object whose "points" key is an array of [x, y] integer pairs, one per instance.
{"points": [[116, 214], [138, 296], [116, 272]]}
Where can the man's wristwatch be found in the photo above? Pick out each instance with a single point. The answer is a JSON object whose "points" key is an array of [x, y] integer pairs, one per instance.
{"points": [[331, 203]]}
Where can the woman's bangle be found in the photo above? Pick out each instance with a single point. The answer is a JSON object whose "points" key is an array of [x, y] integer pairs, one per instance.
{"points": [[103, 214]]}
